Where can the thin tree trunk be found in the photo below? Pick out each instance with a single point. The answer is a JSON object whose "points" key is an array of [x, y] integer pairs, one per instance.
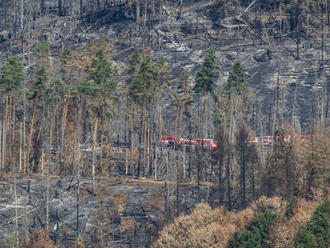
{"points": [[144, 137], [137, 11], [160, 120], [149, 163], [177, 187], [16, 211], [1, 153], [31, 130], [229, 156], [20, 146], [101, 148], [64, 115], [22, 29], [77, 160], [94, 153], [126, 162], [131, 140], [48, 170], [243, 174]]}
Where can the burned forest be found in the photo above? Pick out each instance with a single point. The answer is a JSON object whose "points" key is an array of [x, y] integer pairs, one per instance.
{"points": [[130, 123]]}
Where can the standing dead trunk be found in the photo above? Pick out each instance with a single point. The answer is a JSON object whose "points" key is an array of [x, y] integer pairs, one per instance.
{"points": [[229, 156], [137, 14], [31, 131], [1, 153], [149, 151], [144, 136], [94, 153], [16, 211], [131, 140], [64, 115], [48, 171], [20, 146], [22, 29], [77, 161]]}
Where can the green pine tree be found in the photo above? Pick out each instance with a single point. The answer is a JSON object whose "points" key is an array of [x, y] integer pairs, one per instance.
{"points": [[11, 75], [236, 83], [208, 74], [256, 232], [145, 81], [134, 62]]}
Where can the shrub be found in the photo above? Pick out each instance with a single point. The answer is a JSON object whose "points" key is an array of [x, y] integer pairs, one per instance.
{"points": [[9, 241], [284, 232], [256, 233], [304, 239], [289, 209], [316, 233]]}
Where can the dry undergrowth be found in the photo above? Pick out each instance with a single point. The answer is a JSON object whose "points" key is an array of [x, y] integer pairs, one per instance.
{"points": [[283, 233], [206, 227]]}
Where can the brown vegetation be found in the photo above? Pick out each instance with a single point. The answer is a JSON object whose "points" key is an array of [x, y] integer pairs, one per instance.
{"points": [[284, 232], [206, 227]]}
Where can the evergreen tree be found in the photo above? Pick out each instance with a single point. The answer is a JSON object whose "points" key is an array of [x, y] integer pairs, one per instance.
{"points": [[233, 89], [99, 91], [38, 96], [256, 232], [317, 231], [11, 78], [236, 83], [133, 67], [11, 75], [134, 63], [164, 74], [145, 82], [184, 98], [205, 84], [142, 91], [207, 74]]}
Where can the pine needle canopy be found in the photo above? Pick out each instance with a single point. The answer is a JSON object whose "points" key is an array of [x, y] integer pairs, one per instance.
{"points": [[236, 82], [11, 75], [208, 73], [145, 82], [103, 73]]}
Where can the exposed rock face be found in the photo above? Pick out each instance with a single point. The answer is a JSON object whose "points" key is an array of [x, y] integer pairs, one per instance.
{"points": [[262, 56]]}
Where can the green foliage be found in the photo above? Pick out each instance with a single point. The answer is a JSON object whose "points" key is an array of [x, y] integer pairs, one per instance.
{"points": [[89, 88], [42, 49], [99, 88], [134, 62], [183, 95], [316, 233], [256, 233], [55, 91], [66, 53], [145, 81], [39, 89], [290, 207], [236, 83], [217, 117], [304, 239], [11, 75], [9, 241], [208, 73], [184, 83], [103, 74]]}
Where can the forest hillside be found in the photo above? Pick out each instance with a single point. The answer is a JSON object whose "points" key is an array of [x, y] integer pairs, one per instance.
{"points": [[118, 117]]}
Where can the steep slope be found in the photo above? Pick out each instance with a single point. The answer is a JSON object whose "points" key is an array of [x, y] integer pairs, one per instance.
{"points": [[182, 33]]}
